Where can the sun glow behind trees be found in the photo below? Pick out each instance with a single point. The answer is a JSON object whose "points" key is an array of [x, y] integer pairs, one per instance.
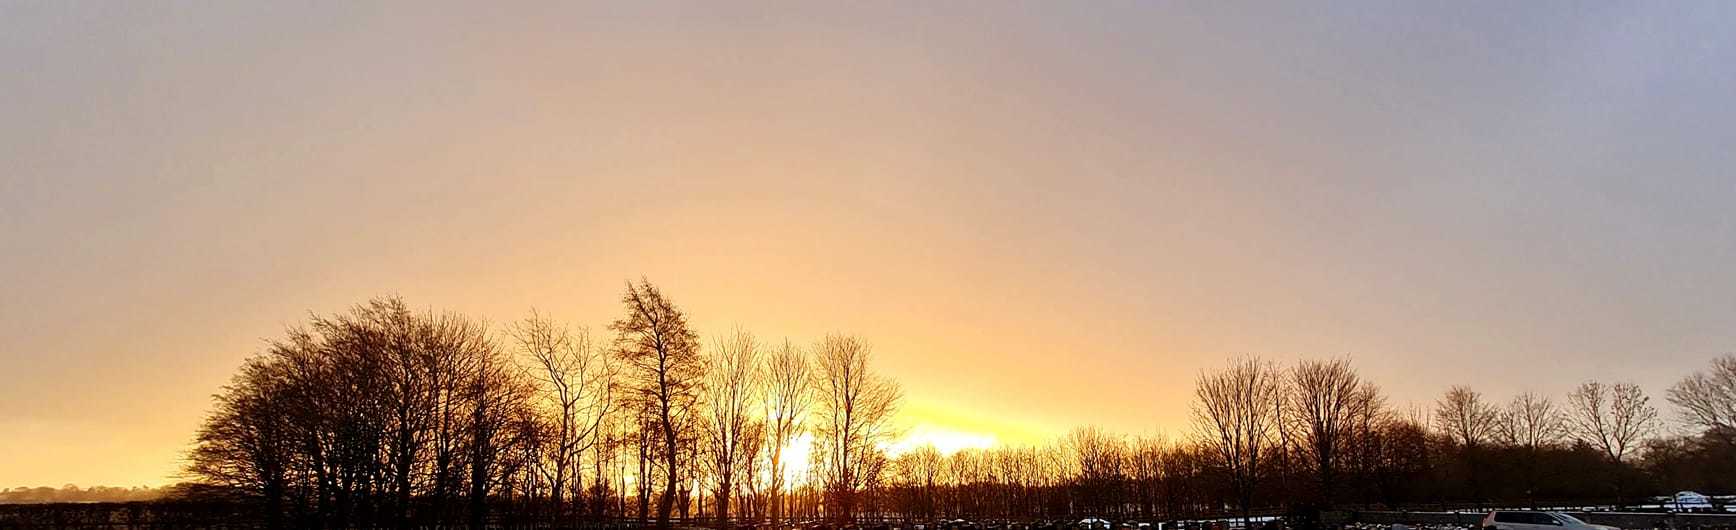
{"points": [[947, 441], [387, 415], [384, 414]]}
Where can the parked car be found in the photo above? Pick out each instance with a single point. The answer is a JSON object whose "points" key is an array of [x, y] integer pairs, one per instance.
{"points": [[1537, 521], [1688, 501]]}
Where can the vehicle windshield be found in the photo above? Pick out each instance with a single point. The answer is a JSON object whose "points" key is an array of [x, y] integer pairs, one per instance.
{"points": [[1568, 519]]}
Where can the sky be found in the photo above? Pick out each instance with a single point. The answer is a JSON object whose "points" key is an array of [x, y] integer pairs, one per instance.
{"points": [[1041, 215]]}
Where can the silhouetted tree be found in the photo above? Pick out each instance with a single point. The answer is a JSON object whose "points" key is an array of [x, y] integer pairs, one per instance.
{"points": [[856, 408], [1527, 425], [665, 371], [1236, 417], [247, 442], [1708, 399], [1323, 404], [1530, 421], [385, 417], [1464, 417], [1613, 418], [733, 392], [575, 387], [1401, 459], [788, 397], [1098, 457], [497, 395], [355, 419]]}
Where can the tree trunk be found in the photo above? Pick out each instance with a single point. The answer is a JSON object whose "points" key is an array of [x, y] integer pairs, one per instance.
{"points": [[666, 504], [723, 503]]}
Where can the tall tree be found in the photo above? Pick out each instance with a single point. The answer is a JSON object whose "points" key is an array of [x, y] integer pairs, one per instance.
{"points": [[661, 359], [498, 396], [576, 387], [732, 392], [1236, 416], [1323, 403], [788, 398], [856, 408]]}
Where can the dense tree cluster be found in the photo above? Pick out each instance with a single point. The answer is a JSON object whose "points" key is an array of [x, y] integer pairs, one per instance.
{"points": [[384, 416], [369, 417]]}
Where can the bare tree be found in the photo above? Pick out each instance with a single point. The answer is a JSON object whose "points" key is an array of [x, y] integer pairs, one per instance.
{"points": [[646, 442], [1708, 399], [661, 356], [1369, 415], [1529, 421], [577, 381], [1324, 397], [1146, 472], [751, 486], [1465, 417], [1099, 459], [497, 396], [789, 395], [383, 417], [924, 465], [1613, 418], [1235, 415], [856, 408], [732, 391]]}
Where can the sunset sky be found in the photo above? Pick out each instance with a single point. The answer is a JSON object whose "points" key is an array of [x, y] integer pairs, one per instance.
{"points": [[1041, 215]]}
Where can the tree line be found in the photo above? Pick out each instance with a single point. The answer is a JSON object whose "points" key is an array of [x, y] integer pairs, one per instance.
{"points": [[1317, 435], [73, 493], [384, 416]]}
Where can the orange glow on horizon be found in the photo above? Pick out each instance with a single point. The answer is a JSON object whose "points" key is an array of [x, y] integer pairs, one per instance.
{"points": [[1040, 216]]}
